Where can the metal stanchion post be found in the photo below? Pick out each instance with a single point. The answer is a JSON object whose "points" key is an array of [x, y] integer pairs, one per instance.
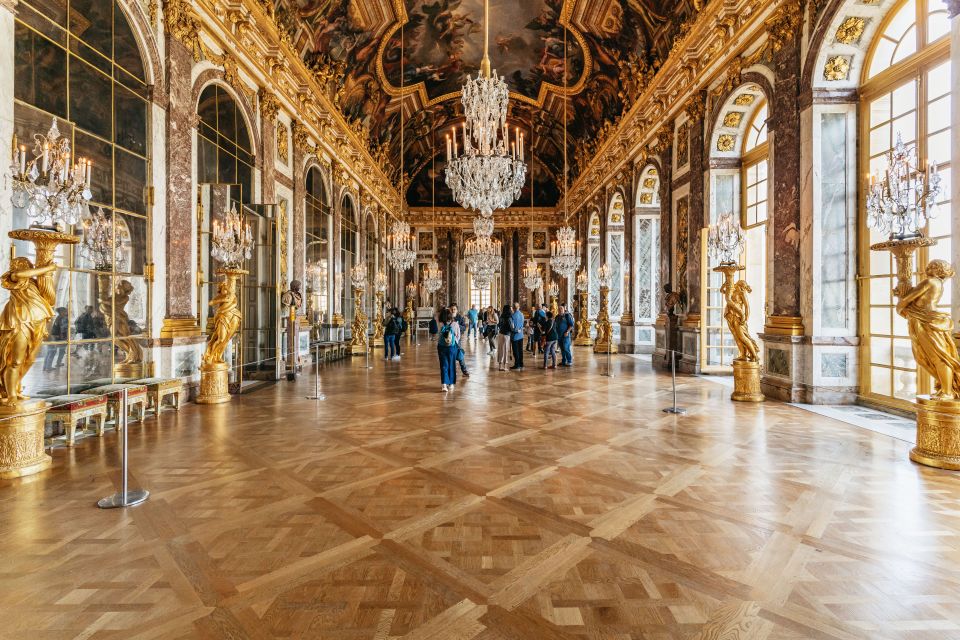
{"points": [[316, 377], [367, 352], [126, 497], [673, 374], [609, 372]]}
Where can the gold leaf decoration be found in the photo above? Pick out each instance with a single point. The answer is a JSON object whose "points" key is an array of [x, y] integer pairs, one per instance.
{"points": [[837, 68], [726, 142]]}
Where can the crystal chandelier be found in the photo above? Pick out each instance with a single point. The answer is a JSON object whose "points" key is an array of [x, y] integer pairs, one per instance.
{"points": [[400, 253], [532, 279], [554, 289], [49, 187], [725, 239], [358, 275], [565, 252], [483, 256], [432, 277], [230, 241], [902, 200], [489, 172], [99, 246], [380, 281], [317, 273]]}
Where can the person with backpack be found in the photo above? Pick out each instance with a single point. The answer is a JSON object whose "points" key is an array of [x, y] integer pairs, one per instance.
{"points": [[462, 323], [516, 323], [550, 341], [403, 328], [566, 325], [504, 333], [490, 322], [391, 335], [448, 343]]}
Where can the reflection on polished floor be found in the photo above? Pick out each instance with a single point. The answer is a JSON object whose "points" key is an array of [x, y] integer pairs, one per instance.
{"points": [[537, 505]]}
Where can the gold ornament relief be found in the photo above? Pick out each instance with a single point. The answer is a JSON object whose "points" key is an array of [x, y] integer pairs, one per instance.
{"points": [[851, 30], [733, 119], [837, 68], [726, 142], [283, 143]]}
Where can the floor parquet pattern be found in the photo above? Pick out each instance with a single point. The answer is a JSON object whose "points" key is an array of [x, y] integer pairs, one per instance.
{"points": [[541, 505]]}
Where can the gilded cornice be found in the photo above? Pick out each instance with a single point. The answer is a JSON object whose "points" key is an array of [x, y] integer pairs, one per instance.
{"points": [[182, 24], [264, 51], [720, 34], [460, 218]]}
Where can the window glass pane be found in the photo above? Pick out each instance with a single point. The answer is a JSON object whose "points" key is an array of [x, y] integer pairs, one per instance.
{"points": [[938, 114], [40, 72], [938, 81], [101, 154], [904, 98], [126, 53], [906, 47], [883, 54], [90, 99], [92, 22], [131, 121], [938, 24], [131, 182]]}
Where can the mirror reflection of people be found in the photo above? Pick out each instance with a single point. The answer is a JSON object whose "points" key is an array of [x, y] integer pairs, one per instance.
{"points": [[23, 326], [59, 331]]}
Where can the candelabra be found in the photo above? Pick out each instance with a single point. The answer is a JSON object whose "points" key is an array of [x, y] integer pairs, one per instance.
{"points": [[532, 279], [583, 311], [379, 287], [400, 253], [48, 187], [565, 252], [231, 242], [358, 329], [604, 340], [725, 239], [408, 313], [432, 277], [490, 171], [317, 272], [554, 292], [99, 245], [901, 202]]}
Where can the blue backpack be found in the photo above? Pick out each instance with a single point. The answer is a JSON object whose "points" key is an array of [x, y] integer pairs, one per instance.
{"points": [[447, 338]]}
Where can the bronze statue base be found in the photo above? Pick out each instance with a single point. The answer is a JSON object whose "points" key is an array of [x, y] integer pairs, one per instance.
{"points": [[585, 341], [746, 382], [214, 383], [605, 347], [21, 440], [938, 433]]}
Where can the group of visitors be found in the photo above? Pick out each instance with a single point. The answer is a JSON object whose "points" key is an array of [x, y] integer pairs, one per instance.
{"points": [[394, 329], [504, 335]]}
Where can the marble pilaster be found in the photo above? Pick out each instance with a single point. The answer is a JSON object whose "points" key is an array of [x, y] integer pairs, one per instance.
{"points": [[523, 252], [697, 212], [7, 29], [953, 6], [180, 320]]}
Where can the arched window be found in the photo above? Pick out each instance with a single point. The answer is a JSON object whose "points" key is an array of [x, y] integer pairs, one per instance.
{"points": [[224, 155], [593, 264], [905, 93], [646, 255], [79, 62], [319, 230], [615, 258]]}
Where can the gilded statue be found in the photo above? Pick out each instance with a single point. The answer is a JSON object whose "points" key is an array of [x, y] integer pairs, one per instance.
{"points": [[358, 329], [737, 313], [113, 305], [24, 323], [931, 330], [226, 321]]}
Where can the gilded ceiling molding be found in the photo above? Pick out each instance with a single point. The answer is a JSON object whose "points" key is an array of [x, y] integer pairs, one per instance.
{"points": [[699, 48], [267, 55]]}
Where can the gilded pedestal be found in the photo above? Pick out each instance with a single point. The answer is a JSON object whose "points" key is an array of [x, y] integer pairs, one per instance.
{"points": [[583, 322], [214, 383], [21, 440], [378, 322], [938, 433], [746, 381], [214, 372], [604, 340], [358, 330], [408, 318]]}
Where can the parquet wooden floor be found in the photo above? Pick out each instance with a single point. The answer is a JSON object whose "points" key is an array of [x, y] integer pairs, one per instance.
{"points": [[535, 505]]}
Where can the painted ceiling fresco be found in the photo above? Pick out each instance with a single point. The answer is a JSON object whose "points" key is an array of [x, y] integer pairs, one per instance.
{"points": [[355, 48]]}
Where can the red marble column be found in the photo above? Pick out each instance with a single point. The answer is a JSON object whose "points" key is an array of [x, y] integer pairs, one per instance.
{"points": [[697, 216], [180, 320]]}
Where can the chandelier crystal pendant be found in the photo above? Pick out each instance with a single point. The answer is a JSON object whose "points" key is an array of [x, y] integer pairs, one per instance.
{"points": [[725, 239], [902, 200], [231, 242], [53, 191], [98, 245], [400, 253], [489, 172], [532, 279], [565, 252]]}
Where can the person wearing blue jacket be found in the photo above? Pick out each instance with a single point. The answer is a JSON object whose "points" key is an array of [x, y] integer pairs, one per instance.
{"points": [[566, 325], [516, 324]]}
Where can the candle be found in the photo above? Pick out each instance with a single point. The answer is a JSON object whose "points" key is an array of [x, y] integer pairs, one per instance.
{"points": [[46, 156], [448, 147], [455, 154], [465, 145], [23, 160]]}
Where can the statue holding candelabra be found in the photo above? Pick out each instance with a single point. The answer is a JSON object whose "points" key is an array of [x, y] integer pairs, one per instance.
{"points": [[54, 193], [604, 340], [900, 203], [358, 330], [380, 288], [583, 311], [724, 241], [408, 312], [231, 243]]}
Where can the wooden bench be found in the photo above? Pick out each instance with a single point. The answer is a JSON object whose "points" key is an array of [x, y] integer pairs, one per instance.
{"points": [[160, 388], [136, 399], [70, 410]]}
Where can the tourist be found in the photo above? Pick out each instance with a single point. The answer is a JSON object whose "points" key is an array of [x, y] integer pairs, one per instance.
{"points": [[473, 316], [59, 331], [565, 328], [516, 323], [490, 321], [550, 341], [530, 331], [504, 338], [434, 325], [403, 330], [448, 343], [391, 335], [462, 325]]}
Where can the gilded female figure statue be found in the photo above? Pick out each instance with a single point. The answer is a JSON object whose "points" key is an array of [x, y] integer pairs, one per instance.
{"points": [[226, 321], [930, 330], [736, 314], [121, 324], [23, 325]]}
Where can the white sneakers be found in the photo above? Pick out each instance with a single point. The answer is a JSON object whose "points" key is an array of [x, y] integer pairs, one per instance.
{"points": [[395, 358], [447, 387]]}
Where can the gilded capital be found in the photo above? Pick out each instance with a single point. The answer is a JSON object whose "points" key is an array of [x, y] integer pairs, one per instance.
{"points": [[269, 105], [301, 137], [695, 107], [182, 24]]}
